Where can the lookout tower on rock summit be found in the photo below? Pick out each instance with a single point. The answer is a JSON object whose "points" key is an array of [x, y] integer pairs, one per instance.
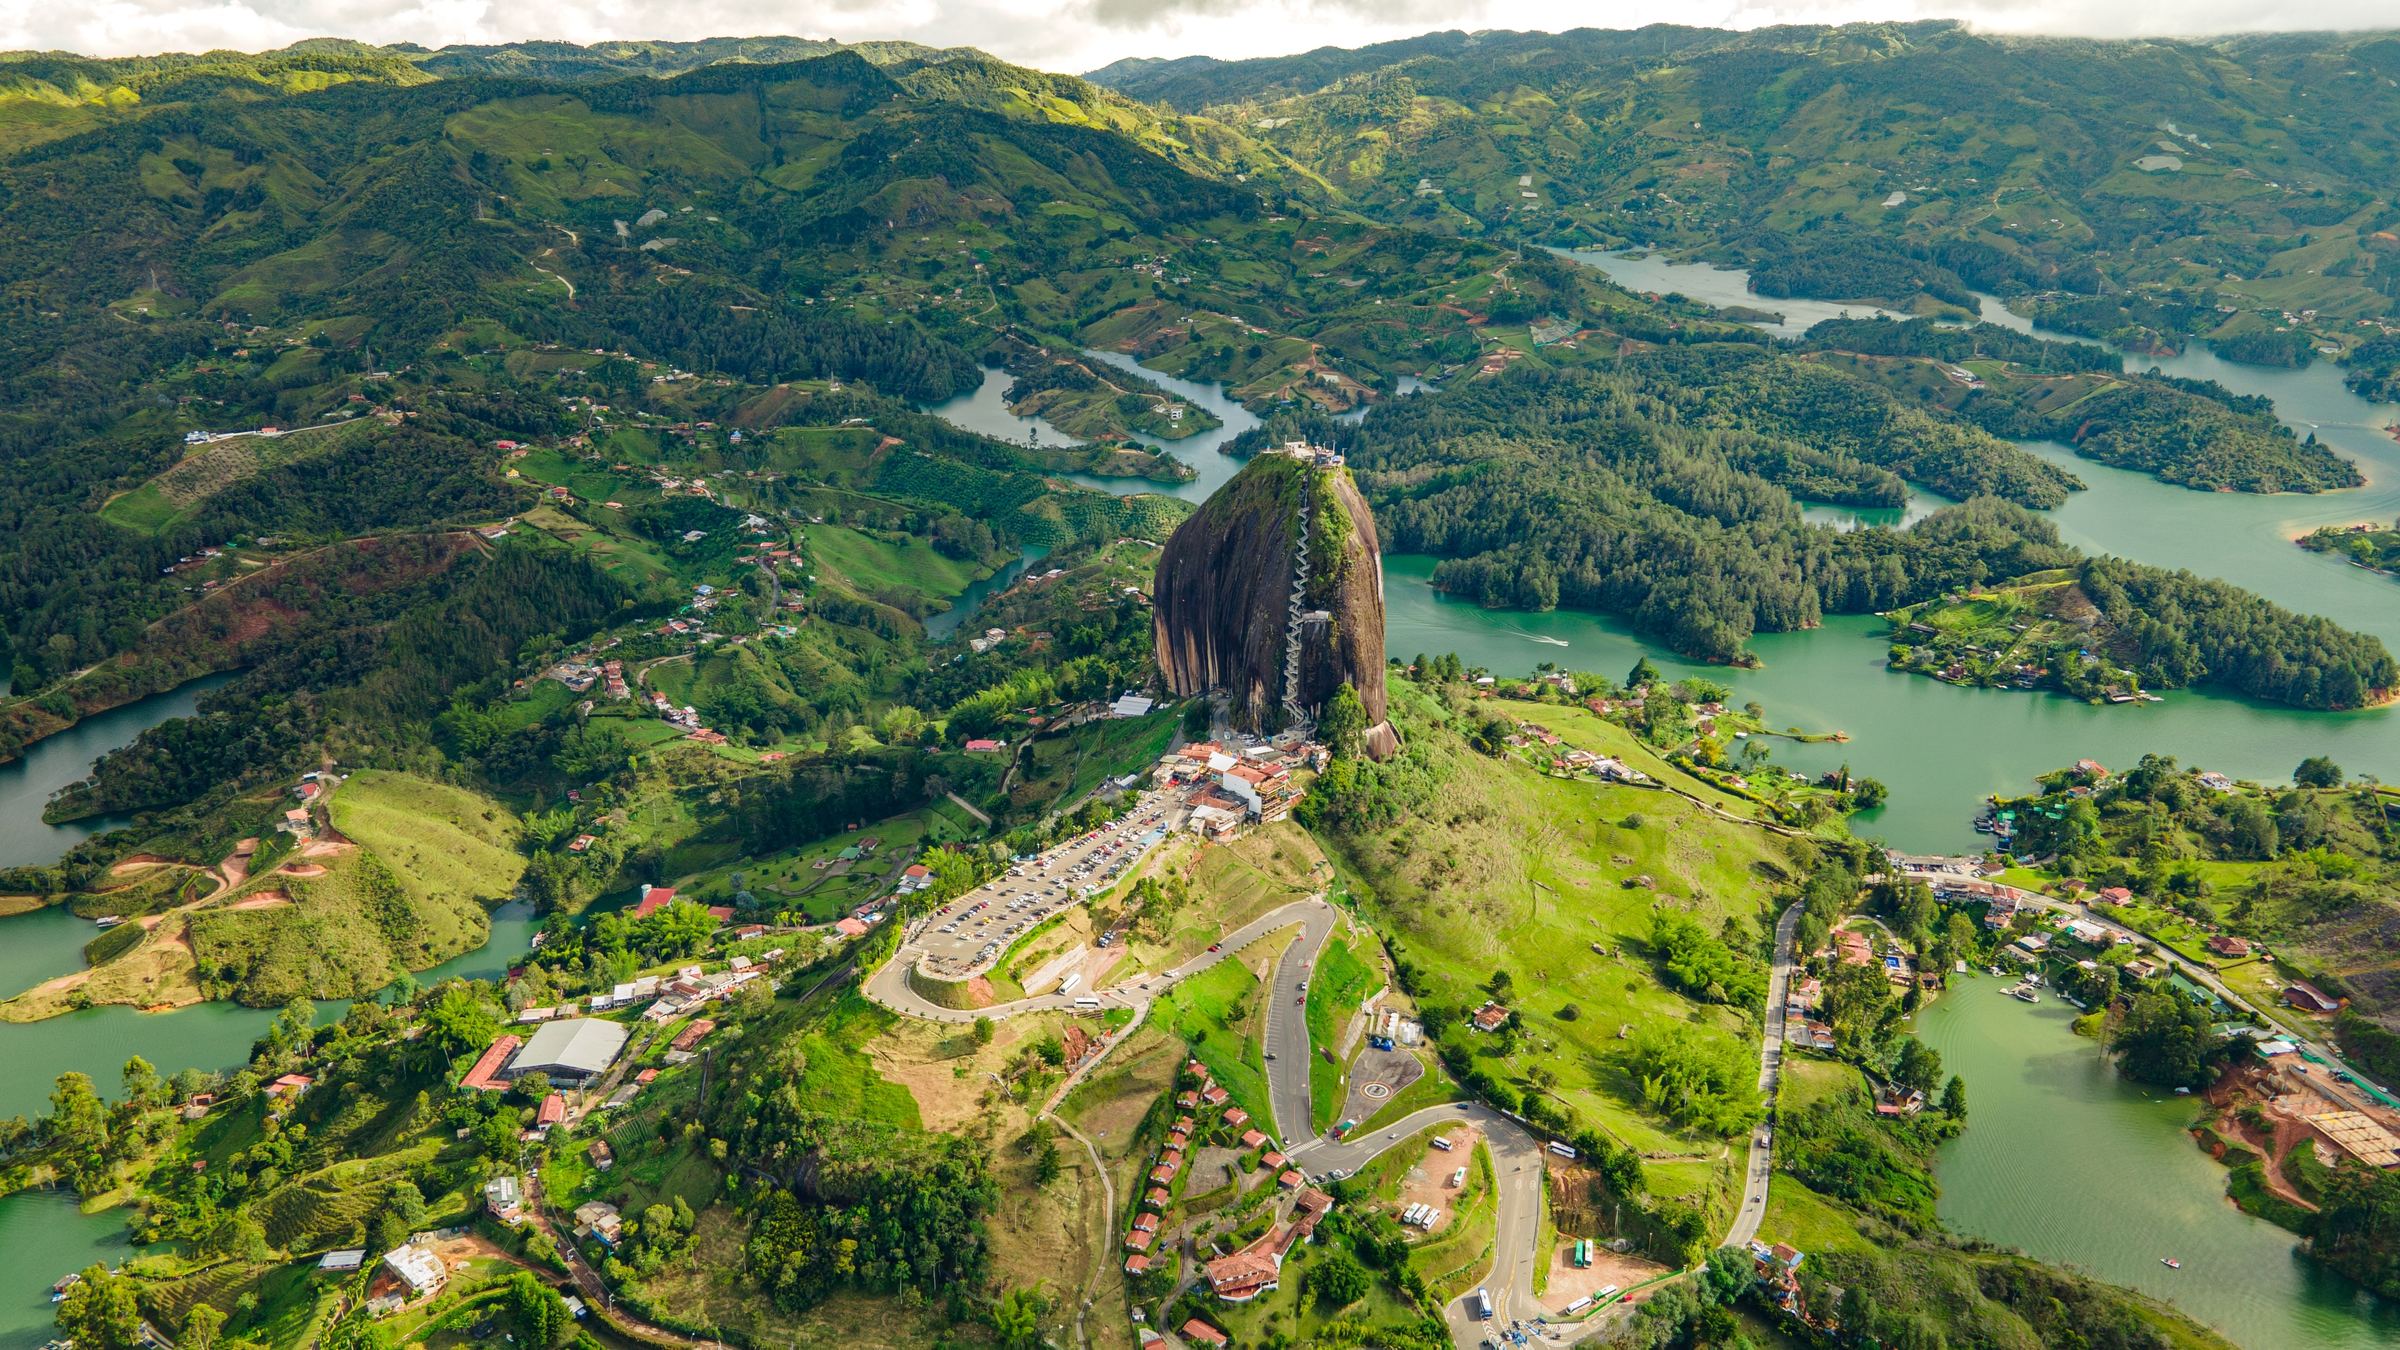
{"points": [[1273, 592]]}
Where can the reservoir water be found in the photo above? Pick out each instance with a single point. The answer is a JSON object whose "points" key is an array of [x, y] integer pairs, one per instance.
{"points": [[43, 1234], [2063, 1158], [2081, 1167]]}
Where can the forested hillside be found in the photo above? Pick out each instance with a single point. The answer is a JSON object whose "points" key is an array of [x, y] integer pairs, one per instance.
{"points": [[2218, 190], [1664, 492]]}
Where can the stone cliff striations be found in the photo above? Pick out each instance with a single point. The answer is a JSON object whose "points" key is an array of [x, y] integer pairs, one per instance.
{"points": [[1224, 598]]}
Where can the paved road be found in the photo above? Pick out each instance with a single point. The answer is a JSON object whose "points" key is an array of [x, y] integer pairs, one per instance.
{"points": [[889, 986], [1516, 1167], [1286, 1039], [1761, 1163]]}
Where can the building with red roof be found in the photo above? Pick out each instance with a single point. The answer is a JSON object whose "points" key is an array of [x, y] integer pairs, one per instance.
{"points": [[485, 1076], [654, 899], [1201, 1333], [554, 1111]]}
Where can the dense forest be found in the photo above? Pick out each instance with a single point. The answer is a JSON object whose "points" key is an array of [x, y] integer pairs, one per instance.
{"points": [[1620, 492]]}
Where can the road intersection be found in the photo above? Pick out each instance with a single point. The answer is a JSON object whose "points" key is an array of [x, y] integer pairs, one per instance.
{"points": [[1518, 1162]]}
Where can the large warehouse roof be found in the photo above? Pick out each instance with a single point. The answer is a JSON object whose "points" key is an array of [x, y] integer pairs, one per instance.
{"points": [[575, 1048]]}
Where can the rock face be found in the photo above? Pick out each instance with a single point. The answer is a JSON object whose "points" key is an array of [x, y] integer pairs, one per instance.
{"points": [[1223, 595]]}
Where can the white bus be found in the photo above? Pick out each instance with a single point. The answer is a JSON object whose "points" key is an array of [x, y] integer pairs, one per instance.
{"points": [[1480, 1303], [1067, 985], [1561, 1149], [1087, 1001]]}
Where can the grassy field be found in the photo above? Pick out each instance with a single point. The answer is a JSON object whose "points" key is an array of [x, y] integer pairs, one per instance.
{"points": [[440, 840], [1066, 767], [1218, 1013], [1340, 980], [1556, 883], [871, 564]]}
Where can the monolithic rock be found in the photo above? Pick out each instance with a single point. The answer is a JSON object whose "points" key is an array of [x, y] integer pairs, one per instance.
{"points": [[1224, 591]]}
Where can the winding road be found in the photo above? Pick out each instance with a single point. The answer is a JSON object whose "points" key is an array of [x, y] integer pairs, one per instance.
{"points": [[1518, 1167]]}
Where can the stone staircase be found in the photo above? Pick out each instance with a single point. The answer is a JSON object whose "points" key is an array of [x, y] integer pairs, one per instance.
{"points": [[1298, 716]]}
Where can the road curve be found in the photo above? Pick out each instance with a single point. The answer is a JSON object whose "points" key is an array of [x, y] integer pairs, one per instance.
{"points": [[889, 987], [1286, 1038]]}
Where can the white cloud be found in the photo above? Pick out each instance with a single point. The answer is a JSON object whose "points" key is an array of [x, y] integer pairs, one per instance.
{"points": [[1070, 35]]}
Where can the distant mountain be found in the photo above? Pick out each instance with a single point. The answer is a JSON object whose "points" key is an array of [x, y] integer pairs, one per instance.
{"points": [[1900, 163], [613, 60]]}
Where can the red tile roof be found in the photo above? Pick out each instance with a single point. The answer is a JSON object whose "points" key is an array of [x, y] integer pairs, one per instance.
{"points": [[1140, 1241], [554, 1110], [495, 1057], [658, 898], [1197, 1330]]}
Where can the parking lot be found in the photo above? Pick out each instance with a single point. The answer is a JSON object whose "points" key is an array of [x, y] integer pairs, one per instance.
{"points": [[968, 934]]}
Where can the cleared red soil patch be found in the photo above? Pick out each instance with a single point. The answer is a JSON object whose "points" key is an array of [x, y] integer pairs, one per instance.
{"points": [[300, 870], [262, 900]]}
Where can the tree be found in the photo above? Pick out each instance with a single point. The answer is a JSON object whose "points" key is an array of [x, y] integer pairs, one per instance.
{"points": [[1642, 673], [1018, 1317], [2168, 1038], [985, 1030], [1339, 1282], [460, 1022], [200, 1327], [1197, 718], [2318, 771], [1920, 1065], [1728, 1274], [539, 1313], [1502, 985], [1868, 793], [1954, 1098], [100, 1311], [78, 1122], [1345, 720]]}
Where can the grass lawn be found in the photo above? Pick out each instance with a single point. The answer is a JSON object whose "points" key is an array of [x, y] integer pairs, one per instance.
{"points": [[1565, 924], [1335, 987], [1807, 1220], [1218, 1012], [145, 508], [873, 564], [1068, 766], [437, 837]]}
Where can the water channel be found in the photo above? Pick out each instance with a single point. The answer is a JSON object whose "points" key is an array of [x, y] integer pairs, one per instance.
{"points": [[2117, 1177], [2081, 1167], [43, 1234], [2064, 1159]]}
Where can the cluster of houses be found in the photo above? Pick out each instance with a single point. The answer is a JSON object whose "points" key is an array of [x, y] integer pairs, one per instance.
{"points": [[1316, 456], [1224, 789], [1144, 1233], [1258, 1268]]}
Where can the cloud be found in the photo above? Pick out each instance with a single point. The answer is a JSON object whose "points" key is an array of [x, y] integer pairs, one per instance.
{"points": [[1067, 35]]}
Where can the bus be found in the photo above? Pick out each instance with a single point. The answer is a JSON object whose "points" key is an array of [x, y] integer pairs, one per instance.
{"points": [[1480, 1303], [1067, 985], [1561, 1149], [1087, 1001]]}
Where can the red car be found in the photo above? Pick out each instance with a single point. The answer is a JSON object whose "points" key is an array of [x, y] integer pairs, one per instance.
{"points": [[1216, 946]]}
